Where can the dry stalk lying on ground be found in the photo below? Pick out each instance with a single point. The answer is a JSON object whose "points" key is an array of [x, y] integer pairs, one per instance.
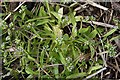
{"points": [[15, 10], [103, 24]]}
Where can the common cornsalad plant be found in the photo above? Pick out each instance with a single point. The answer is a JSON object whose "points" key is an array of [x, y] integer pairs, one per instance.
{"points": [[35, 44]]}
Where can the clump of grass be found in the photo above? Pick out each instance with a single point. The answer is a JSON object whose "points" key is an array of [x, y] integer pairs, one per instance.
{"points": [[35, 45]]}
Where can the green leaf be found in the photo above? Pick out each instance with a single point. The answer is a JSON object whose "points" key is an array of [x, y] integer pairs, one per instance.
{"points": [[53, 45], [48, 7], [57, 31], [83, 30], [39, 18], [31, 58], [100, 30], [74, 32], [62, 58], [23, 15], [78, 18], [72, 19], [94, 68], [41, 22], [114, 38], [42, 11], [2, 14], [16, 15], [47, 28], [93, 34], [56, 72], [23, 61], [57, 8], [60, 12], [76, 75], [92, 50], [88, 31], [66, 37], [36, 33], [30, 71], [81, 39], [42, 57], [74, 53], [73, 4], [30, 77], [56, 15], [29, 13], [29, 46], [110, 32]]}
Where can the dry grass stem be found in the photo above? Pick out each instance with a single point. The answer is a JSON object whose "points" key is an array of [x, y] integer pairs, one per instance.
{"points": [[102, 24], [101, 70], [96, 5], [15, 10]]}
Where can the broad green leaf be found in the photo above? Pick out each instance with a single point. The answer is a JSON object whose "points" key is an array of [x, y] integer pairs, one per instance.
{"points": [[100, 30], [42, 12], [94, 68], [31, 58], [65, 37], [30, 71], [82, 39], [83, 30], [64, 23], [76, 75], [41, 22], [74, 32], [72, 19], [29, 13], [51, 20], [78, 18], [53, 45], [56, 15], [93, 34], [47, 28], [88, 31], [62, 58], [110, 32], [60, 12]]}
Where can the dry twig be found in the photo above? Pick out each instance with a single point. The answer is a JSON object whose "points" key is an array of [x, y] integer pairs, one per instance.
{"points": [[15, 10], [101, 70], [96, 5], [114, 66], [102, 24]]}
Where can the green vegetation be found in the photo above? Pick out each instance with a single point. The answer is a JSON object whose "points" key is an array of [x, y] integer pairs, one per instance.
{"points": [[36, 45]]}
